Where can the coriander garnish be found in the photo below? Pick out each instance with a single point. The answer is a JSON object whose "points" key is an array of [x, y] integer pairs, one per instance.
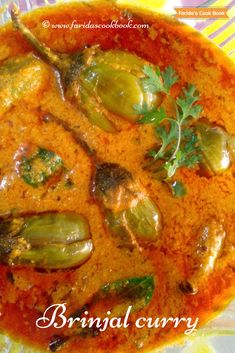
{"points": [[158, 81], [179, 142]]}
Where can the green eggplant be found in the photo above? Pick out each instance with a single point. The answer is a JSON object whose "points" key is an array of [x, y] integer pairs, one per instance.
{"points": [[130, 214], [98, 82], [217, 146], [21, 81], [208, 248], [46, 241]]}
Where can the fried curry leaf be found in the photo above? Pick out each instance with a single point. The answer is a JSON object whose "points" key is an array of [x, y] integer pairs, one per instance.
{"points": [[56, 342], [136, 291], [36, 169], [118, 296]]}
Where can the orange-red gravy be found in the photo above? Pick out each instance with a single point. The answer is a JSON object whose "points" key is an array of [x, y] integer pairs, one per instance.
{"points": [[26, 293]]}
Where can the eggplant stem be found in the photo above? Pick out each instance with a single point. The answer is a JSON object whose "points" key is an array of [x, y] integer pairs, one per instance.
{"points": [[46, 52], [75, 134]]}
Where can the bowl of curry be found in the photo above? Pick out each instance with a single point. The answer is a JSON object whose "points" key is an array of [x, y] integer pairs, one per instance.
{"points": [[116, 178]]}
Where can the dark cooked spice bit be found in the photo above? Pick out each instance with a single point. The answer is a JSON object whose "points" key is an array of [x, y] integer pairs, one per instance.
{"points": [[78, 313], [69, 183], [187, 288], [10, 277], [9, 231], [84, 332], [92, 331], [11, 227], [74, 70], [56, 342], [6, 246], [232, 267]]}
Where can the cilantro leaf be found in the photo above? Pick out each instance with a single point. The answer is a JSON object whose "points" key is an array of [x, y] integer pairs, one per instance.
{"points": [[186, 103], [154, 82], [179, 144], [153, 116], [159, 82], [169, 77], [173, 164]]}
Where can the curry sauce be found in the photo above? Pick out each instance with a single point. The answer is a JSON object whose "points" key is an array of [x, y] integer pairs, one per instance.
{"points": [[26, 292]]}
